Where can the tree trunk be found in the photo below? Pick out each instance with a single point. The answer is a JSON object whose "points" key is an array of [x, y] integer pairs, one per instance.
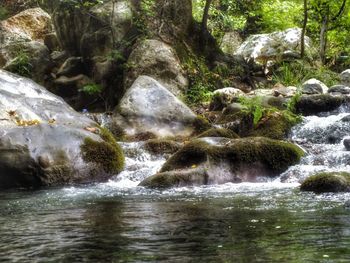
{"points": [[303, 32], [204, 26], [323, 37]]}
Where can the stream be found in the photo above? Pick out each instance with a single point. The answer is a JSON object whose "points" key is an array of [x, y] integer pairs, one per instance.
{"points": [[118, 221]]}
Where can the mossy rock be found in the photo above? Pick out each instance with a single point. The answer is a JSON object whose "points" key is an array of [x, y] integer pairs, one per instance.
{"points": [[276, 125], [221, 160], [106, 154], [327, 182], [273, 125], [280, 155], [219, 132], [161, 146], [200, 124]]}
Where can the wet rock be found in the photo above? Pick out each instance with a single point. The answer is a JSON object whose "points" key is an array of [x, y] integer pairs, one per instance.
{"points": [[223, 97], [218, 132], [148, 106], [327, 182], [268, 47], [158, 60], [314, 104], [346, 143], [45, 142], [219, 160], [313, 87], [339, 90], [162, 146]]}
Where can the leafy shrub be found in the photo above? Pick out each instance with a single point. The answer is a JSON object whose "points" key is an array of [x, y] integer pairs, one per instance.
{"points": [[21, 65]]}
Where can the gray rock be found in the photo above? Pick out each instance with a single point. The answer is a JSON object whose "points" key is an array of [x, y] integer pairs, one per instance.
{"points": [[345, 77], [268, 47], [40, 137], [339, 90], [51, 42], [313, 87], [149, 107], [346, 143], [314, 104], [158, 60], [224, 97], [23, 35]]}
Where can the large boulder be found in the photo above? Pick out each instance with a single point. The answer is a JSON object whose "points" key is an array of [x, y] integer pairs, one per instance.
{"points": [[45, 142], [21, 43], [147, 106], [221, 160], [159, 61], [314, 87], [263, 48], [314, 104], [327, 182]]}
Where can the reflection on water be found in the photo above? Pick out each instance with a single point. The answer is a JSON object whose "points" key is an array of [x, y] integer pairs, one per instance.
{"points": [[246, 224]]}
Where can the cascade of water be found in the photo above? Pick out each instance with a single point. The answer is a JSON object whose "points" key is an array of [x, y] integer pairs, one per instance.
{"points": [[322, 139], [139, 164]]}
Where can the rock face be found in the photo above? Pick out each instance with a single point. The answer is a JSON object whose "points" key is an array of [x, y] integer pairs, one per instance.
{"points": [[314, 87], [221, 160], [45, 142], [159, 61], [327, 182], [21, 43], [149, 107], [88, 35], [269, 47]]}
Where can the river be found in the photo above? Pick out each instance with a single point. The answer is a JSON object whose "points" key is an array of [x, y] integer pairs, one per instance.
{"points": [[118, 221]]}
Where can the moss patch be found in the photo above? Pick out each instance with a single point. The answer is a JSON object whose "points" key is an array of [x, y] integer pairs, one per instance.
{"points": [[275, 155], [201, 124], [219, 132], [159, 146], [106, 154], [276, 125], [327, 182], [273, 124]]}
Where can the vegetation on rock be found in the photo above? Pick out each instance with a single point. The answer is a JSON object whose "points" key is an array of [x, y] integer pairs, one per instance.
{"points": [[327, 182]]}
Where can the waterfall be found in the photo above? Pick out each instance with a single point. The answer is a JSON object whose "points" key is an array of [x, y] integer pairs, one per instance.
{"points": [[322, 139]]}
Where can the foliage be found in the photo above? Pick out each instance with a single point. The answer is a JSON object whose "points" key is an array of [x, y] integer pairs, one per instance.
{"points": [[297, 72], [253, 106], [292, 103], [3, 12], [202, 80], [92, 89], [21, 64], [81, 3]]}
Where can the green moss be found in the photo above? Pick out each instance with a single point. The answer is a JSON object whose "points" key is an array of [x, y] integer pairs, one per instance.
{"points": [[106, 154], [275, 155], [218, 132], [276, 125], [201, 124], [160, 146], [327, 182]]}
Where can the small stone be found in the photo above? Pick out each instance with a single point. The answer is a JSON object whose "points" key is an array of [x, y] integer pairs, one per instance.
{"points": [[314, 87], [346, 143]]}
